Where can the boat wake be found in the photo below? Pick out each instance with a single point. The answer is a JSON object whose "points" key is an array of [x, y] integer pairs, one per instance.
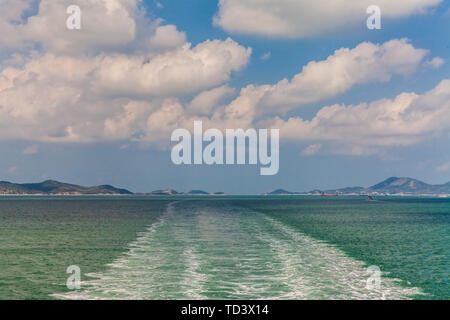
{"points": [[200, 251]]}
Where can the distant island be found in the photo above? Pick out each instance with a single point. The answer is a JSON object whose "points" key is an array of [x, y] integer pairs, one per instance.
{"points": [[171, 192], [392, 186], [51, 187]]}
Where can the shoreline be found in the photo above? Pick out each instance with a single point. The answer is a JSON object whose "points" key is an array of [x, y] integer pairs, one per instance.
{"points": [[227, 195]]}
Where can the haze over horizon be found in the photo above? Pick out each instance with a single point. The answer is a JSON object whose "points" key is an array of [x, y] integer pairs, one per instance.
{"points": [[98, 105]]}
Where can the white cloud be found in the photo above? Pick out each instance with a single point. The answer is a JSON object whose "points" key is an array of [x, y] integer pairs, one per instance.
{"points": [[106, 24], [33, 149], [167, 37], [205, 102], [76, 97], [108, 81], [10, 18], [435, 63], [128, 80], [11, 10], [266, 56], [328, 78], [181, 71], [113, 26], [305, 18], [130, 121], [311, 150], [361, 129]]}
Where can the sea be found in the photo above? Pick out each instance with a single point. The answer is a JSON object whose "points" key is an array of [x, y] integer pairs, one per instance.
{"points": [[227, 247]]}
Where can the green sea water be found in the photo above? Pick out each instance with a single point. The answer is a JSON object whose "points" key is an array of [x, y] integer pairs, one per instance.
{"points": [[225, 247]]}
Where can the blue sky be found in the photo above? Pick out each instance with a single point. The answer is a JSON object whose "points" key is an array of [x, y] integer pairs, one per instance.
{"points": [[138, 157]]}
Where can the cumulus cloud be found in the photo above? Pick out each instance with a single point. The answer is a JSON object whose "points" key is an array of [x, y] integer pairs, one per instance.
{"points": [[435, 63], [106, 24], [363, 129], [146, 122], [109, 80], [180, 71], [407, 119], [72, 96], [123, 77], [359, 129], [167, 37], [328, 78], [11, 12], [304, 18], [111, 26], [129, 122], [205, 102]]}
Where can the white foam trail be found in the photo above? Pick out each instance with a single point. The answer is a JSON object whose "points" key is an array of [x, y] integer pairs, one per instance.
{"points": [[118, 281], [314, 269], [200, 252], [193, 280]]}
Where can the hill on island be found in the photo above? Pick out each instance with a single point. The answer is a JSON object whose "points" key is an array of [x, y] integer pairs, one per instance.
{"points": [[196, 193], [51, 187], [280, 192], [168, 192], [409, 185], [390, 186]]}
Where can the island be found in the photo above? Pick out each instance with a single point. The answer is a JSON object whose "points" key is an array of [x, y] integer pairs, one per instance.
{"points": [[52, 187]]}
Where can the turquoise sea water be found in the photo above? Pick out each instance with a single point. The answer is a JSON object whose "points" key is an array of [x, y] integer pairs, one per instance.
{"points": [[225, 248]]}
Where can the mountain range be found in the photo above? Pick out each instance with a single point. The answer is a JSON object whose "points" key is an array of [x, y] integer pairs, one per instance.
{"points": [[51, 187], [390, 186]]}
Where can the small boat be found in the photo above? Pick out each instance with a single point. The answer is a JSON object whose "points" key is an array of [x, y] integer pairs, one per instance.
{"points": [[370, 198]]}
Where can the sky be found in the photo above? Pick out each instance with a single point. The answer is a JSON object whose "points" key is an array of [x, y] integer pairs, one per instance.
{"points": [[98, 105]]}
